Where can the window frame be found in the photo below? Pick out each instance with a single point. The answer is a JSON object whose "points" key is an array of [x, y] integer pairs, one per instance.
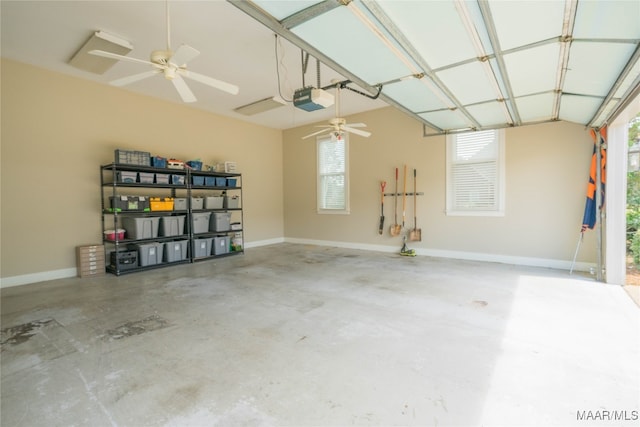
{"points": [[499, 209], [319, 193]]}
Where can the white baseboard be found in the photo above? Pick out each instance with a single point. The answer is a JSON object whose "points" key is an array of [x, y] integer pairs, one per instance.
{"points": [[25, 279], [440, 253], [267, 242], [7, 282]]}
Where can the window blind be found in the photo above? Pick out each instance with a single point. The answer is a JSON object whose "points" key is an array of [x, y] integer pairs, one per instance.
{"points": [[474, 172], [331, 174]]}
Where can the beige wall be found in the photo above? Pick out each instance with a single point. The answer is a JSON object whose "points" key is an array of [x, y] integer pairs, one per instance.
{"points": [[546, 173], [57, 130]]}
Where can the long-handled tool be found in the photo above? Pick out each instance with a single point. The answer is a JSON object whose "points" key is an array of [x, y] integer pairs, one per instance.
{"points": [[395, 229], [383, 184], [405, 251], [404, 196], [415, 234]]}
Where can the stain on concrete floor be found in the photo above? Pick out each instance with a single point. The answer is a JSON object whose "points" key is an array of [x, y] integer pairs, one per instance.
{"points": [[19, 334], [137, 327]]}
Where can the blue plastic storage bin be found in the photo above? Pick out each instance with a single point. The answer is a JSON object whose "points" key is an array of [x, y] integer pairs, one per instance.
{"points": [[195, 165], [159, 162]]}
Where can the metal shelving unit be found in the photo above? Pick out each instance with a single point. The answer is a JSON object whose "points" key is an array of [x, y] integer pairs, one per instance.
{"points": [[112, 185]]}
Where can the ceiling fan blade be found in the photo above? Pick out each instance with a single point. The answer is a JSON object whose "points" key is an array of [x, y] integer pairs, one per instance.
{"points": [[119, 57], [356, 131], [356, 125], [209, 81], [134, 78], [184, 54], [183, 89], [315, 133]]}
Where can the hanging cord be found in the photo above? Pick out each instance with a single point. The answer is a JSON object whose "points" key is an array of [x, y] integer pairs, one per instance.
{"points": [[279, 62], [318, 71]]}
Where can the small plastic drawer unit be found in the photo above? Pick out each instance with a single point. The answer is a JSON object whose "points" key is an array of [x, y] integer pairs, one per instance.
{"points": [[90, 260]]}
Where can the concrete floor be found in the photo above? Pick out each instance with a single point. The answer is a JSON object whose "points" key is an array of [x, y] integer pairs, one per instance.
{"points": [[303, 335]]}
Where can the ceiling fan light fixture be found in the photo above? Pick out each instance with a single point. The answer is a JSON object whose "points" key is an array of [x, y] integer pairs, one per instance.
{"points": [[169, 73]]}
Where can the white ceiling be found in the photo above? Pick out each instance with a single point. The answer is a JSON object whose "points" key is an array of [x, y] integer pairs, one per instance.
{"points": [[541, 60], [233, 48]]}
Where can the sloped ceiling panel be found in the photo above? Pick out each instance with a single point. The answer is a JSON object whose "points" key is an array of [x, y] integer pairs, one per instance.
{"points": [[523, 23], [490, 114], [341, 46], [536, 108], [533, 70], [468, 83], [577, 108], [587, 73], [432, 20], [465, 64], [414, 95]]}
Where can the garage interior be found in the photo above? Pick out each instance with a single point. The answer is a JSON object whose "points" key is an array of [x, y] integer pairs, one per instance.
{"points": [[322, 321]]}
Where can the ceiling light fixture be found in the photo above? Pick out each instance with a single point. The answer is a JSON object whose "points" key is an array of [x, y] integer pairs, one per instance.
{"points": [[261, 106], [99, 41]]}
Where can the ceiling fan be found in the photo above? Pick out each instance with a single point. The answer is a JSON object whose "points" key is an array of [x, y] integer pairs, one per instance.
{"points": [[172, 65], [337, 126]]}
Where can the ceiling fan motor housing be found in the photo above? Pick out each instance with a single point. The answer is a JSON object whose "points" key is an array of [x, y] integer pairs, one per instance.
{"points": [[161, 57]]}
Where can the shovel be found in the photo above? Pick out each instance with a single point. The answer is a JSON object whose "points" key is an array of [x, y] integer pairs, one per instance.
{"points": [[395, 229], [383, 184], [415, 235]]}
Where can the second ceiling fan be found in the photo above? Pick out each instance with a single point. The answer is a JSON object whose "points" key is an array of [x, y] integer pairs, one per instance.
{"points": [[338, 125], [172, 65]]}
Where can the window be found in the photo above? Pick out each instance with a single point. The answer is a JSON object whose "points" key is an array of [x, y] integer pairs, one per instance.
{"points": [[333, 178], [475, 173]]}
